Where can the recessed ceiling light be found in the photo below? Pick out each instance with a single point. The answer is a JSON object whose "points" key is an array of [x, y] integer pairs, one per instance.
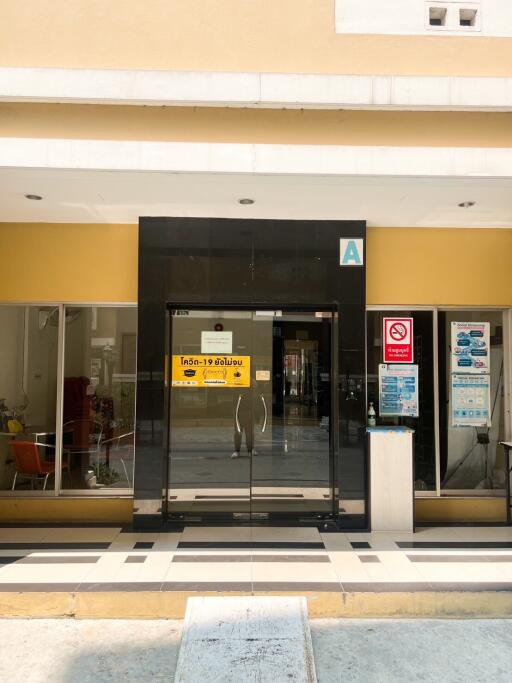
{"points": [[466, 205], [246, 201], [35, 197]]}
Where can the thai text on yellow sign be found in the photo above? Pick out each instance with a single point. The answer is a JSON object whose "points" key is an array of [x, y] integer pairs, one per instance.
{"points": [[211, 371]]}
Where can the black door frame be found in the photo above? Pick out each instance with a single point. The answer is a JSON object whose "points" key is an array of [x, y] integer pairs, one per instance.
{"points": [[334, 417]]}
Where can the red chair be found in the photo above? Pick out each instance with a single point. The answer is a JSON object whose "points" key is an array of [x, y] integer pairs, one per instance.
{"points": [[29, 464]]}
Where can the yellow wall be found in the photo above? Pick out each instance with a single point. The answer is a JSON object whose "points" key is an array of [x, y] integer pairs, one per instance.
{"points": [[227, 35], [82, 262], [439, 266], [270, 126], [466, 510], [98, 509], [68, 262]]}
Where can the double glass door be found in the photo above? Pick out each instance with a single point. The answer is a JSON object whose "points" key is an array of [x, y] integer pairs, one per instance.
{"points": [[249, 414]]}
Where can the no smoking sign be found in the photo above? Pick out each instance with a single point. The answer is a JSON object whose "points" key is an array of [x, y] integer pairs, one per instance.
{"points": [[398, 340]]}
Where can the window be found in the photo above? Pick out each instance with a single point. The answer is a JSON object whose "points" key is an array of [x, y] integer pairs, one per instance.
{"points": [[437, 16], [424, 17], [454, 453], [99, 398], [453, 17], [467, 17], [28, 397], [471, 458], [96, 361], [424, 429]]}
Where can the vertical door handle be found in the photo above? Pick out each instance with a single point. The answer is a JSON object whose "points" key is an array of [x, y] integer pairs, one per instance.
{"points": [[236, 413], [266, 414]]}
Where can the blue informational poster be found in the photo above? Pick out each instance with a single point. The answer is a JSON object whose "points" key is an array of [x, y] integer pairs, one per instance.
{"points": [[470, 347], [471, 401], [470, 377], [398, 390]]}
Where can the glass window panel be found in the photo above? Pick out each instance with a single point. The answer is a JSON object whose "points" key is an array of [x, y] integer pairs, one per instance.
{"points": [[28, 394], [99, 397], [471, 458], [424, 433]]}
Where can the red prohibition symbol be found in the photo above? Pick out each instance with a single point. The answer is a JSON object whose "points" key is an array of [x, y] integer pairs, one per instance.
{"points": [[398, 331]]}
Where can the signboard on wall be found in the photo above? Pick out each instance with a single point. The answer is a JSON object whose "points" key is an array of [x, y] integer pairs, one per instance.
{"points": [[398, 390], [211, 371], [216, 342], [351, 252], [471, 400], [397, 335], [470, 347]]}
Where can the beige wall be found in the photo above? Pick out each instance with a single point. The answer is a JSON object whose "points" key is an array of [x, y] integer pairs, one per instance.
{"points": [[227, 35], [210, 124], [79, 262]]}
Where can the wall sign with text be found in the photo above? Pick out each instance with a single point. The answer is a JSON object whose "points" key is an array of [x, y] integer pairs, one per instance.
{"points": [[398, 390], [211, 371], [351, 251], [470, 343], [397, 335]]}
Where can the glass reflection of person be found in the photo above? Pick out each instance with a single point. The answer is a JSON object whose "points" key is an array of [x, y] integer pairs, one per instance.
{"points": [[244, 418]]}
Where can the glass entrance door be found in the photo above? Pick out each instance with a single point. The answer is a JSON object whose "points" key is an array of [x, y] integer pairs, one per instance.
{"points": [[249, 414]]}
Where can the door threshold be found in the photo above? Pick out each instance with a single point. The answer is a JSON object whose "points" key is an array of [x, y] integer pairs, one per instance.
{"points": [[324, 525]]}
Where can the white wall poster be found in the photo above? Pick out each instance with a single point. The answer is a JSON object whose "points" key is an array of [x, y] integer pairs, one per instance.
{"points": [[471, 400], [216, 342]]}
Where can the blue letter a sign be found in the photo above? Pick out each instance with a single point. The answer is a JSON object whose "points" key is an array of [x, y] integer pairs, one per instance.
{"points": [[351, 252]]}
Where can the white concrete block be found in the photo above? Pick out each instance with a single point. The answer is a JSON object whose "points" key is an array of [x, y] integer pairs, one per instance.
{"points": [[309, 89], [381, 93], [249, 639], [430, 91]]}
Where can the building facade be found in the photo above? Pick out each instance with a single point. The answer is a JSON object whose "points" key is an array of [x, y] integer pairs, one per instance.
{"points": [[207, 212]]}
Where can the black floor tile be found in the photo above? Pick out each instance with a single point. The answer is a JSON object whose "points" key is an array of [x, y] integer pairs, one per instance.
{"points": [[113, 586], [38, 587], [9, 560], [285, 545], [294, 586], [460, 558], [454, 545], [210, 586], [385, 587], [56, 546], [60, 559]]}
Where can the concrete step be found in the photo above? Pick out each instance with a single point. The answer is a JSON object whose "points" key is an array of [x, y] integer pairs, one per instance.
{"points": [[21, 601], [233, 639]]}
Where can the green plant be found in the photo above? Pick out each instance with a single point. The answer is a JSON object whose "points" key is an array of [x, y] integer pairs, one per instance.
{"points": [[105, 475]]}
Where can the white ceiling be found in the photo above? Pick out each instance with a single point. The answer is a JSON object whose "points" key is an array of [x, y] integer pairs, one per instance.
{"points": [[123, 196]]}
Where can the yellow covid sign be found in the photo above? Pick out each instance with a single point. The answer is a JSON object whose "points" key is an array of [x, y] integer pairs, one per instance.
{"points": [[211, 371]]}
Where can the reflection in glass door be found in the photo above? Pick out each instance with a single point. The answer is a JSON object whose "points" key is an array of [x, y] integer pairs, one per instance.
{"points": [[250, 405]]}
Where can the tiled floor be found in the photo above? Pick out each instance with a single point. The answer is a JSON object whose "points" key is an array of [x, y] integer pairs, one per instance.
{"points": [[254, 559]]}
